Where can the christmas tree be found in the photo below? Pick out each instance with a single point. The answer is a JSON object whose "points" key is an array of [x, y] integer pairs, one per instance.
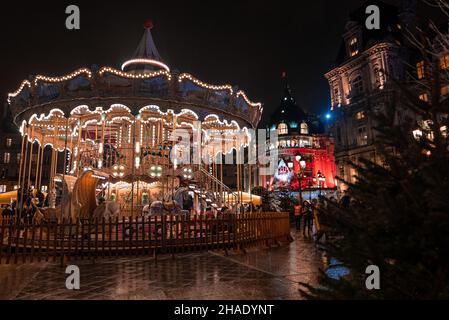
{"points": [[398, 219]]}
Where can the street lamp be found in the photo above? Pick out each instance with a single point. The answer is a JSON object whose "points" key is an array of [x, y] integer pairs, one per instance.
{"points": [[302, 166]]}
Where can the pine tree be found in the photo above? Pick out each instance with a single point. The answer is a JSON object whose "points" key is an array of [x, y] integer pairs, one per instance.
{"points": [[399, 220]]}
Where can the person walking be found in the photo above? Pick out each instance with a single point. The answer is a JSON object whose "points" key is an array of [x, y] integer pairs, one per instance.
{"points": [[345, 200], [307, 214], [315, 218], [298, 216]]}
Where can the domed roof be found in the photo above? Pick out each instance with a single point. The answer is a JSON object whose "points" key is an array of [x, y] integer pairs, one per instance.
{"points": [[288, 111]]}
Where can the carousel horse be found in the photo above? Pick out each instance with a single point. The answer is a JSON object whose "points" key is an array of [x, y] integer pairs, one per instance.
{"points": [[159, 208], [107, 210]]}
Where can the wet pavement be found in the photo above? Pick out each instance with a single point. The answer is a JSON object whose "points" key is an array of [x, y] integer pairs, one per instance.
{"points": [[259, 274]]}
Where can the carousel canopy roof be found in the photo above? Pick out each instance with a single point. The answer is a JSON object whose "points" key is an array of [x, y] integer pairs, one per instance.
{"points": [[146, 57], [144, 81]]}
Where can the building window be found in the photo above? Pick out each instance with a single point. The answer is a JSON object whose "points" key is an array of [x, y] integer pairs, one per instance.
{"points": [[304, 128], [282, 128], [424, 97], [353, 47], [2, 188], [360, 115], [18, 158], [444, 61], [362, 136], [6, 157], [357, 86], [337, 96], [420, 69], [445, 90], [8, 142], [380, 78]]}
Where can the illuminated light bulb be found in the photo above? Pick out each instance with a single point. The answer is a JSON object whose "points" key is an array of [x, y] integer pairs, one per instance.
{"points": [[137, 162], [122, 167], [137, 147], [100, 163], [100, 148], [121, 174]]}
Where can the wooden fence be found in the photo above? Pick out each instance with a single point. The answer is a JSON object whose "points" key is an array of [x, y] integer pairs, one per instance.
{"points": [[23, 242]]}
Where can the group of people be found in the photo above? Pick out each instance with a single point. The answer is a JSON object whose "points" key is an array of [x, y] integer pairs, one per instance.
{"points": [[309, 214], [26, 205]]}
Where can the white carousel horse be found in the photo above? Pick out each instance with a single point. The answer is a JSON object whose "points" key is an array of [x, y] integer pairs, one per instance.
{"points": [[107, 210]]}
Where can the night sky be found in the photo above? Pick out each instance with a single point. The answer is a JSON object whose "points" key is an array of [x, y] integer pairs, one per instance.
{"points": [[244, 43]]}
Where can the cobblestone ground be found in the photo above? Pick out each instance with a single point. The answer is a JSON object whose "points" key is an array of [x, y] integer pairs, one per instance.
{"points": [[259, 274]]}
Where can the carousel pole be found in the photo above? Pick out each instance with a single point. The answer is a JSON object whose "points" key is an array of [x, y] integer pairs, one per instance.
{"points": [[173, 165], [133, 130], [53, 158], [238, 174], [64, 170], [31, 158], [70, 164], [52, 163], [216, 175], [22, 183], [78, 146], [138, 153], [21, 159], [36, 178], [221, 179], [95, 162], [41, 163], [249, 186]]}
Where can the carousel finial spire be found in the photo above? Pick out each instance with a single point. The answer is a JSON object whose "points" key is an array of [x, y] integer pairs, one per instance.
{"points": [[146, 57], [148, 24]]}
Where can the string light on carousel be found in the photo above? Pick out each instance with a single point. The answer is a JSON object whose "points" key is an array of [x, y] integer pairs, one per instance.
{"points": [[109, 134]]}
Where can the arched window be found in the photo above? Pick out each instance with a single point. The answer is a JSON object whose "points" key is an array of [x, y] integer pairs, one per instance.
{"points": [[304, 128], [357, 86], [282, 128]]}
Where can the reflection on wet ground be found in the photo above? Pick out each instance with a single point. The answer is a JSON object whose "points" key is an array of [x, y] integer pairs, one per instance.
{"points": [[259, 274]]}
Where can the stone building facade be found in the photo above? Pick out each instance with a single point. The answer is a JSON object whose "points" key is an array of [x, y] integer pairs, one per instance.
{"points": [[360, 81]]}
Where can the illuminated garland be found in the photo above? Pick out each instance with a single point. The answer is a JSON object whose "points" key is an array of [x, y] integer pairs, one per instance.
{"points": [[203, 84], [128, 75], [18, 91], [252, 104], [63, 78]]}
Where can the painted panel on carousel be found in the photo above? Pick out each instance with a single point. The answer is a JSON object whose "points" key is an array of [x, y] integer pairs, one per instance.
{"points": [[47, 91], [219, 98], [154, 87], [77, 84], [192, 91]]}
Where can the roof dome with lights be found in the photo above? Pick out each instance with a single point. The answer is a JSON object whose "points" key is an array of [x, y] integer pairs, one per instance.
{"points": [[288, 111]]}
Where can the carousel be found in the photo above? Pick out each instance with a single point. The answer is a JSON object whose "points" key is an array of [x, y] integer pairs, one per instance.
{"points": [[132, 141]]}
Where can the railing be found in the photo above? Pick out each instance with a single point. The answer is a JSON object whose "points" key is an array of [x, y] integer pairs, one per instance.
{"points": [[23, 242], [209, 180]]}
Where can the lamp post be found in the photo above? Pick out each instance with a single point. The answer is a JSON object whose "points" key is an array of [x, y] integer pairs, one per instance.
{"points": [[302, 166]]}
